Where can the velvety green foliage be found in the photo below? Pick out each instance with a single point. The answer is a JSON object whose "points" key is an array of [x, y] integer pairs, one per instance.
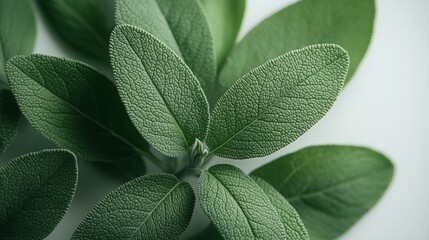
{"points": [[295, 229], [225, 17], [155, 206], [277, 102], [17, 32], [237, 206], [35, 192], [9, 115], [74, 106], [181, 25], [331, 187], [348, 23], [83, 24], [169, 109]]}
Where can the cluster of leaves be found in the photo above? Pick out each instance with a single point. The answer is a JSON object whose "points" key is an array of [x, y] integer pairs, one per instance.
{"points": [[182, 94]]}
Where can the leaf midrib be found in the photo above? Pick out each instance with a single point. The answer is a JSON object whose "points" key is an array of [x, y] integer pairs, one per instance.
{"points": [[238, 204], [270, 106], [333, 186], [113, 133], [176, 122], [157, 205]]}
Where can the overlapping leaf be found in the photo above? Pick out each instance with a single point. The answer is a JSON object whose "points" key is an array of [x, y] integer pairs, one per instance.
{"points": [[331, 187], [74, 106], [348, 23], [157, 206], [17, 32], [9, 115], [83, 24], [295, 229], [237, 206], [35, 192], [181, 25], [224, 17], [162, 96]]}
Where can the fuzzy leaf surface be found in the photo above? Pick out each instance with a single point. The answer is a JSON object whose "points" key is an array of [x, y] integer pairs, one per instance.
{"points": [[331, 187], [155, 206], [162, 96], [9, 116], [274, 104], [83, 24], [237, 206], [35, 192], [181, 25], [225, 18], [17, 32], [295, 229], [348, 23], [74, 106]]}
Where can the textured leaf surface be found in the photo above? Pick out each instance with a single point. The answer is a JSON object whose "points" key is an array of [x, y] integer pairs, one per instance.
{"points": [[156, 206], [74, 106], [181, 25], [348, 23], [35, 192], [225, 17], [277, 102], [17, 32], [9, 116], [237, 206], [162, 96], [295, 229], [82, 24], [331, 187]]}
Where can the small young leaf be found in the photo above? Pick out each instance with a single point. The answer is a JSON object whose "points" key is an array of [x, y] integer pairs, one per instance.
{"points": [[9, 116], [295, 229], [35, 192], [81, 23], [348, 23], [277, 102], [157, 206], [237, 206], [74, 106], [169, 109], [331, 187], [225, 17], [17, 32], [181, 25]]}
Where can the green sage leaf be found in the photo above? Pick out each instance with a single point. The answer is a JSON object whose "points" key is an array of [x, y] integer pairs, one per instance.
{"points": [[225, 18], [331, 187], [35, 192], [348, 23], [295, 229], [274, 104], [9, 116], [74, 106], [17, 32], [156, 206], [169, 109], [237, 206], [83, 24], [181, 25]]}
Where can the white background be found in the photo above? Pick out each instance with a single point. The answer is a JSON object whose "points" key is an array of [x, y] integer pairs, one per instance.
{"points": [[385, 107]]}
